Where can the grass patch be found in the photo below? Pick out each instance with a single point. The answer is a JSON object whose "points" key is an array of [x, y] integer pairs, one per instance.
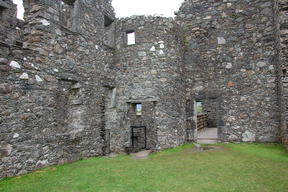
{"points": [[238, 168]]}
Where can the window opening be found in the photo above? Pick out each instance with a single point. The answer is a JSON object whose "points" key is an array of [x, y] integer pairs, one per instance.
{"points": [[139, 138], [130, 37], [107, 21], [284, 71], [67, 7], [1, 11], [199, 108], [69, 2], [20, 9], [138, 109], [113, 98]]}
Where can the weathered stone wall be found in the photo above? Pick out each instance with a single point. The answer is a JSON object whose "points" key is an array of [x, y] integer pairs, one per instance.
{"points": [[70, 90], [230, 59], [10, 26], [283, 22], [149, 71], [52, 98]]}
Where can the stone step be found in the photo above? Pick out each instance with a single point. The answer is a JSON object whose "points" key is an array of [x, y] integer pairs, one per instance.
{"points": [[141, 155], [212, 138], [207, 141]]}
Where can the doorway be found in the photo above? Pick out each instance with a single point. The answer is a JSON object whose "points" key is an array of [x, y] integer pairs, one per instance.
{"points": [[138, 138], [141, 120], [206, 121]]}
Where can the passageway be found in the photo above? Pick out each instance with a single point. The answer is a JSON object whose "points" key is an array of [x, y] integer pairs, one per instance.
{"points": [[206, 126]]}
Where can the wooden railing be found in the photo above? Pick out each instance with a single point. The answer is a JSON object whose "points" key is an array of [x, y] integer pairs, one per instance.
{"points": [[202, 121]]}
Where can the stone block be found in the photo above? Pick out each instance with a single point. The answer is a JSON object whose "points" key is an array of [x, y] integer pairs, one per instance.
{"points": [[5, 88]]}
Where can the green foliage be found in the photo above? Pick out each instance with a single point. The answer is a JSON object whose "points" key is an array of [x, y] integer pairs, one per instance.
{"points": [[237, 168], [199, 107]]}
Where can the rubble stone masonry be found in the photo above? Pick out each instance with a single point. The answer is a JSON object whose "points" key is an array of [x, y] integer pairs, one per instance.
{"points": [[70, 83]]}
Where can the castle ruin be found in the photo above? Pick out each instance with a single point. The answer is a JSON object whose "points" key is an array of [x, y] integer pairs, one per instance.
{"points": [[76, 82]]}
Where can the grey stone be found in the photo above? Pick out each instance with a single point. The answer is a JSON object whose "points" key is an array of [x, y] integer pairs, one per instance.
{"points": [[142, 53], [5, 88], [248, 136], [229, 66], [15, 64], [261, 64], [38, 78], [5, 68], [80, 100], [45, 22], [197, 145], [16, 135], [24, 76], [221, 40], [5, 150], [3, 61]]}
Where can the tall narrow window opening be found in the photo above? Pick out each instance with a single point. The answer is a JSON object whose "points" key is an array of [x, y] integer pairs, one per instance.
{"points": [[66, 14], [107, 21], [284, 72], [1, 12], [199, 108], [138, 109], [130, 35], [113, 98], [109, 36], [20, 9]]}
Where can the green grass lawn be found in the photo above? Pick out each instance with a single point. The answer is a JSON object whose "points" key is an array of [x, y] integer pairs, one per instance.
{"points": [[238, 167]]}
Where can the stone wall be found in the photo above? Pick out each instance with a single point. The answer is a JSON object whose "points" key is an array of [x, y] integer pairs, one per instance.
{"points": [[149, 72], [283, 22], [231, 60], [70, 83], [53, 94], [10, 27]]}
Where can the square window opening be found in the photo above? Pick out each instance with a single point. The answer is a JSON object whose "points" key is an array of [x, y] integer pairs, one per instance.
{"points": [[130, 35]]}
